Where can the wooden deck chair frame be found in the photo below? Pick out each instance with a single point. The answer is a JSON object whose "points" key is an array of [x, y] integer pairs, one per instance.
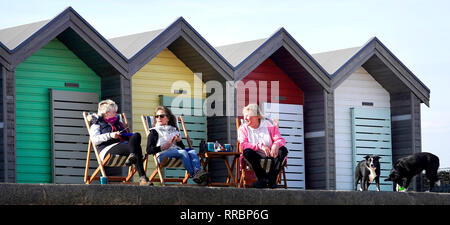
{"points": [[167, 163], [109, 160], [243, 179]]}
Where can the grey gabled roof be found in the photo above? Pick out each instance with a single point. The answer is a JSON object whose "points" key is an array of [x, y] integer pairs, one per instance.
{"points": [[333, 60], [130, 45], [237, 52], [14, 36], [341, 63], [246, 56], [141, 48], [18, 43], [11, 38]]}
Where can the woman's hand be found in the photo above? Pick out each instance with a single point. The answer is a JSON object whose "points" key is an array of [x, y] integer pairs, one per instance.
{"points": [[266, 150], [115, 135], [178, 138], [274, 150], [166, 146]]}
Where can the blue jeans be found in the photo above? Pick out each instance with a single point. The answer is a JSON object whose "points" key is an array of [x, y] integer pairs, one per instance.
{"points": [[189, 159]]}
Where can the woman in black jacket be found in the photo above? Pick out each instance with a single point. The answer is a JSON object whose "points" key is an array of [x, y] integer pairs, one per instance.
{"points": [[106, 133]]}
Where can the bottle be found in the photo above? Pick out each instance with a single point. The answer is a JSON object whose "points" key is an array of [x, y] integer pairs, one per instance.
{"points": [[203, 146]]}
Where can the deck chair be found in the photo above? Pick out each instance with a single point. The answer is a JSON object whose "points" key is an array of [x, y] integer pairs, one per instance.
{"points": [[109, 160], [247, 175], [148, 122]]}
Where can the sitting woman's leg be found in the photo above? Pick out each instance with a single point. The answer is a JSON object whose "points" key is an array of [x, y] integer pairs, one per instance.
{"points": [[133, 146], [276, 166], [178, 154], [200, 176], [194, 160], [254, 159], [190, 164]]}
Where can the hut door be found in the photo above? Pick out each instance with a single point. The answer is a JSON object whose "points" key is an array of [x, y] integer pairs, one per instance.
{"points": [[69, 135], [291, 128], [371, 135]]}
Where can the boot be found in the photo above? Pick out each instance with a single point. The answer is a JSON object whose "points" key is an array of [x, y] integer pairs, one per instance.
{"points": [[132, 159], [144, 181]]}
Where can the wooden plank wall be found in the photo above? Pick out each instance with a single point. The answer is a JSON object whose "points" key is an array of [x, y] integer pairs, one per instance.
{"points": [[371, 135], [401, 125], [52, 66], [359, 87], [154, 79], [291, 128], [2, 126], [10, 125], [70, 136], [318, 118], [406, 128], [317, 167], [195, 55]]}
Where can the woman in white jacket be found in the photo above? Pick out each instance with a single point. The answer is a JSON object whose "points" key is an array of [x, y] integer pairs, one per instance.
{"points": [[165, 137]]}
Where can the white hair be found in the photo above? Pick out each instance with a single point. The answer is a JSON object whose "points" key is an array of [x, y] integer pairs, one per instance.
{"points": [[254, 110], [106, 106]]}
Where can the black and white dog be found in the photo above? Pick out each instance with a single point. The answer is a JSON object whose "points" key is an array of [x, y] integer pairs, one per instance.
{"points": [[367, 171], [410, 166]]}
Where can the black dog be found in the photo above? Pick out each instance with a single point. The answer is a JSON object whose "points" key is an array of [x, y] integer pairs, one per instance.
{"points": [[366, 171], [410, 166]]}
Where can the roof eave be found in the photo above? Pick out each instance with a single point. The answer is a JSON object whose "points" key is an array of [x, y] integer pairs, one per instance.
{"points": [[64, 20], [179, 28], [281, 38], [375, 47]]}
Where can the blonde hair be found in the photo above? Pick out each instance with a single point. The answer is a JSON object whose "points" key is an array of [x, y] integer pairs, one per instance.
{"points": [[254, 110], [106, 106]]}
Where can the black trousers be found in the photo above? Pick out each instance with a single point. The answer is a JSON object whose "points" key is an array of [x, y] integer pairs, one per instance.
{"points": [[133, 146], [254, 159]]}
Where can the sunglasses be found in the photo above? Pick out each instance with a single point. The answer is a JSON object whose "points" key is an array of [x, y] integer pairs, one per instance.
{"points": [[160, 116]]}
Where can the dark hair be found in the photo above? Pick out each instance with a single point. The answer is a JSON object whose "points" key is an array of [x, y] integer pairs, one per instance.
{"points": [[172, 120]]}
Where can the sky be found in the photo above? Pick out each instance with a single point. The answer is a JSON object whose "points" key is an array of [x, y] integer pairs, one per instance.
{"points": [[417, 32]]}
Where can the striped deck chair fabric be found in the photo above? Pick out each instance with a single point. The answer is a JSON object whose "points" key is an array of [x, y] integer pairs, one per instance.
{"points": [[116, 161]]}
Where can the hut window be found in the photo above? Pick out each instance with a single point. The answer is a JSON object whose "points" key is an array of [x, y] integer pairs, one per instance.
{"points": [[367, 103], [75, 85], [279, 98], [179, 91]]}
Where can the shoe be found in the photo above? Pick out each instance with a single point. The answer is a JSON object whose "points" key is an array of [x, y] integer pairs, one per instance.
{"points": [[204, 183], [132, 159], [203, 175], [144, 181], [200, 176], [204, 178], [272, 183], [261, 183]]}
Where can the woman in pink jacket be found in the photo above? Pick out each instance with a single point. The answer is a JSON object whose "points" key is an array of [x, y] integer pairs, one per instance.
{"points": [[260, 138]]}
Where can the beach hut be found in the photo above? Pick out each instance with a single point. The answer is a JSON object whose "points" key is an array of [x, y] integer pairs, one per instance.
{"points": [[178, 68], [288, 84], [376, 109], [51, 71]]}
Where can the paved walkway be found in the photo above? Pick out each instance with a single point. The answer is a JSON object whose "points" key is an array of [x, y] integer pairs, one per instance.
{"points": [[80, 194]]}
